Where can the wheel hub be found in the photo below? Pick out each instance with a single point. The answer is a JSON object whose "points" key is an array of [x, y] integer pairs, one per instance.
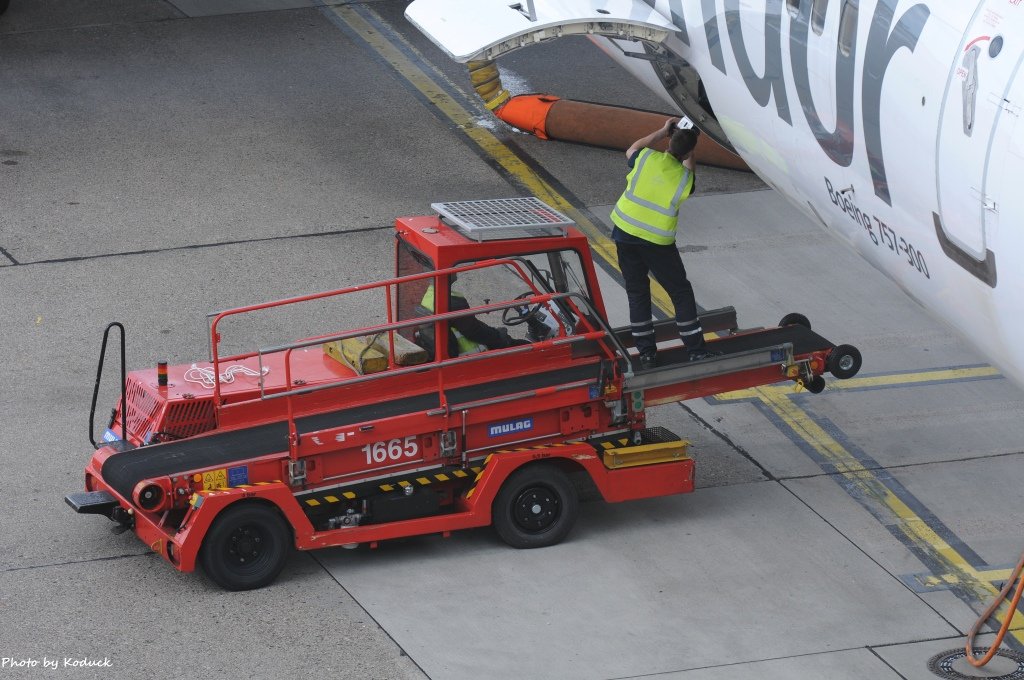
{"points": [[536, 509], [245, 544]]}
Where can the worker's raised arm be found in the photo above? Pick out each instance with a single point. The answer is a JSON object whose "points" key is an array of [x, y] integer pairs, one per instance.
{"points": [[664, 131]]}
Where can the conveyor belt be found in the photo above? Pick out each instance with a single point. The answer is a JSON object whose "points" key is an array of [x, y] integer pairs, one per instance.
{"points": [[738, 353], [712, 321], [803, 339], [124, 470]]}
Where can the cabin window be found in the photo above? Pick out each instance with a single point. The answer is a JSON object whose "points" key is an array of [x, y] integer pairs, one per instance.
{"points": [[818, 16], [848, 27]]}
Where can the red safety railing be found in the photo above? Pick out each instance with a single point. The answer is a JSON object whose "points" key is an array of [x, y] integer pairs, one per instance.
{"points": [[590, 323]]}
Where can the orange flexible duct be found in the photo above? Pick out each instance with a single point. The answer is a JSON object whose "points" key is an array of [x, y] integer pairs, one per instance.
{"points": [[612, 127], [1000, 598]]}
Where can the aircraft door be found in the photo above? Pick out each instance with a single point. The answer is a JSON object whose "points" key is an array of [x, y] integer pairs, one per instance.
{"points": [[1006, 156], [973, 105]]}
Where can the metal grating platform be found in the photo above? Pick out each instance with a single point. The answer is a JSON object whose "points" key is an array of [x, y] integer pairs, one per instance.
{"points": [[504, 218]]}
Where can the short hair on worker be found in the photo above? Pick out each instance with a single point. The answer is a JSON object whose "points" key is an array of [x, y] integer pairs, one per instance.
{"points": [[682, 143]]}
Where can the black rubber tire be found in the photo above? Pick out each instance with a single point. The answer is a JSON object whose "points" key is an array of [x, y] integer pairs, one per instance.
{"points": [[536, 507], [795, 319], [816, 385], [844, 361], [3, 5], [246, 547]]}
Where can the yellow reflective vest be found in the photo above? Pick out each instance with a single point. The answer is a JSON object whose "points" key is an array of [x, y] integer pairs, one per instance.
{"points": [[466, 346], [655, 188]]}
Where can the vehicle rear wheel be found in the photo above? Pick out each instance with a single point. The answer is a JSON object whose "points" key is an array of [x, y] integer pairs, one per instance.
{"points": [[536, 507], [795, 319], [246, 547], [3, 5], [844, 361]]}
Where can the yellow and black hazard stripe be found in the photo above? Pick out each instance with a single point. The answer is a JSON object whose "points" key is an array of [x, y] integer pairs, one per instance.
{"points": [[325, 499], [649, 435], [318, 500], [612, 443], [480, 474]]}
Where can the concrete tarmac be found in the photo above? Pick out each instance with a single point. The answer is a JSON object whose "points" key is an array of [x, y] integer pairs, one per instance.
{"points": [[160, 160]]}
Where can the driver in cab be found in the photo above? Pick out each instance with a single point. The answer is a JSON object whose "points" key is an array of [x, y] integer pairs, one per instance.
{"points": [[466, 334]]}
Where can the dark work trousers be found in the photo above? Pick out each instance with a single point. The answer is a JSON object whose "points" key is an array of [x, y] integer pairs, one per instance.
{"points": [[665, 264]]}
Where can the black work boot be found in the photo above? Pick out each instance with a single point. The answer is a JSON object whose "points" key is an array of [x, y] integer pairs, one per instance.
{"points": [[649, 360], [703, 352]]}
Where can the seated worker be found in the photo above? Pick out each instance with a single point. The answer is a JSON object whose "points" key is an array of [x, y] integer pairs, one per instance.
{"points": [[466, 334]]}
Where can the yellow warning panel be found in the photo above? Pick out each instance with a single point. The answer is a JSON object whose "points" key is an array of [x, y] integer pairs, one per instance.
{"points": [[215, 479], [645, 454]]}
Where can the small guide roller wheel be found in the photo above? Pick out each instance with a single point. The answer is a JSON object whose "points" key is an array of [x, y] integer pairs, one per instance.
{"points": [[795, 319], [844, 361], [815, 385]]}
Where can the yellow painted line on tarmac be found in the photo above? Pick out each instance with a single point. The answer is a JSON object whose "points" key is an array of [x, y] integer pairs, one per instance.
{"points": [[991, 575], [481, 136], [887, 380], [907, 521], [900, 379], [912, 526]]}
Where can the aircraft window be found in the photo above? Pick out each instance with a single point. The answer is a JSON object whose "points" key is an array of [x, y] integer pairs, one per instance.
{"points": [[818, 16], [848, 27], [794, 7]]}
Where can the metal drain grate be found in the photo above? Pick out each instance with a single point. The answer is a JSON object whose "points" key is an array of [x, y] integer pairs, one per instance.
{"points": [[504, 218], [953, 665]]}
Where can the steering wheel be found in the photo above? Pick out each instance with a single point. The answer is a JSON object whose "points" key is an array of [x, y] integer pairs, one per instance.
{"points": [[514, 316]]}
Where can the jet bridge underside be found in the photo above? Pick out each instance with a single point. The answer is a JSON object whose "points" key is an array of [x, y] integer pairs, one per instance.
{"points": [[469, 30]]}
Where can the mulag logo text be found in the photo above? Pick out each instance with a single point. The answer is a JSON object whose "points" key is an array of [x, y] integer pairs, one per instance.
{"points": [[511, 427]]}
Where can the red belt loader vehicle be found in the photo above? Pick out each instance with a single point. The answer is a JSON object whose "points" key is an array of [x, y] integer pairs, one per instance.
{"points": [[379, 432]]}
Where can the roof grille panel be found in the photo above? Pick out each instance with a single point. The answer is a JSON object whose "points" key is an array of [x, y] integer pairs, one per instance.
{"points": [[504, 218]]}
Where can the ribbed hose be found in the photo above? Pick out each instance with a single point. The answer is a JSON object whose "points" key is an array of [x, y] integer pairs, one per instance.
{"points": [[1011, 610], [487, 83]]}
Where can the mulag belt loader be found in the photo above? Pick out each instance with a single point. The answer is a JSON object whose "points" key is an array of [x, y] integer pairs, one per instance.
{"points": [[379, 432]]}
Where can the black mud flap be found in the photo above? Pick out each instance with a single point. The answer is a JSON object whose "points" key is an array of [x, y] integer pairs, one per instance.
{"points": [[92, 502]]}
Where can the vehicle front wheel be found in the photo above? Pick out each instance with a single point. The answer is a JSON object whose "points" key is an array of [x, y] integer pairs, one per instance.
{"points": [[536, 507], [246, 547]]}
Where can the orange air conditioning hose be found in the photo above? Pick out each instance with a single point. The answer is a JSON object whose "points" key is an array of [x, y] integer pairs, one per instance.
{"points": [[1000, 598]]}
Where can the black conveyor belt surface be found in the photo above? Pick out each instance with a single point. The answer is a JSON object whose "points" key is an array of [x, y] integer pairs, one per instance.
{"points": [[124, 470], [804, 341]]}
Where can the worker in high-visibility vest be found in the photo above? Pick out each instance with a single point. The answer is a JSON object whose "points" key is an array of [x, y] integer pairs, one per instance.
{"points": [[466, 334], [645, 219]]}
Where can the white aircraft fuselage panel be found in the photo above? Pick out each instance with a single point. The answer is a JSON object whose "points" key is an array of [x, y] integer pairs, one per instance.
{"points": [[486, 29], [895, 124]]}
